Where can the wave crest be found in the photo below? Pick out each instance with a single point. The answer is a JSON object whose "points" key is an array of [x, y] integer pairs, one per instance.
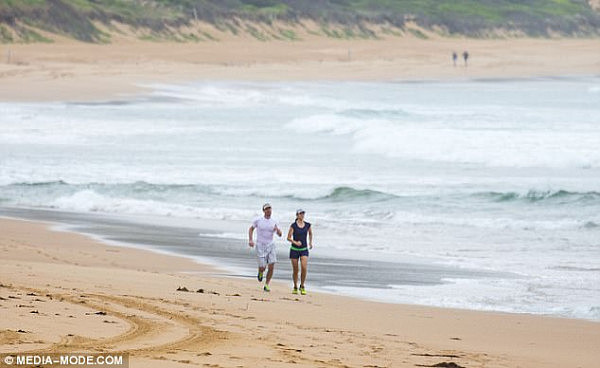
{"points": [[537, 196], [349, 193]]}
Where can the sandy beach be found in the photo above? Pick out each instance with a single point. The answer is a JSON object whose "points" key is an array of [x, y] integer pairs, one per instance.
{"points": [[66, 292], [63, 292], [75, 71]]}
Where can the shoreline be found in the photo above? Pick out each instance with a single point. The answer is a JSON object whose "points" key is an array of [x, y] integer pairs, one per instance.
{"points": [[73, 71], [69, 276], [231, 261], [237, 263], [139, 91], [232, 258]]}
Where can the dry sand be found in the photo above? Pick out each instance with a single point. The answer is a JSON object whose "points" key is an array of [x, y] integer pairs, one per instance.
{"points": [[54, 284], [68, 70]]}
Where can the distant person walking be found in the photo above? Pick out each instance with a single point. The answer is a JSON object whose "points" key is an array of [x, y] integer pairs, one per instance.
{"points": [[297, 234], [265, 247], [454, 57], [466, 57]]}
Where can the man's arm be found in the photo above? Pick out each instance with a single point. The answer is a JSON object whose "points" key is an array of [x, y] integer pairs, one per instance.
{"points": [[250, 233]]}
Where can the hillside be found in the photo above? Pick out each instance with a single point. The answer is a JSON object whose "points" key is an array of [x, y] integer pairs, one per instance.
{"points": [[100, 21]]}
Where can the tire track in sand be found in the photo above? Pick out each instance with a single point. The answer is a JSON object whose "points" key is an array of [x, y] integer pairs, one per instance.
{"points": [[141, 337]]}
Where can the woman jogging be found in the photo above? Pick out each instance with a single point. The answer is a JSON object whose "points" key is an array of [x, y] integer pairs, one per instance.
{"points": [[299, 250]]}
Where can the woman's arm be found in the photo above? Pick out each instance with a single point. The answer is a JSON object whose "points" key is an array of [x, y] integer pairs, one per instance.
{"points": [[310, 237], [290, 239]]}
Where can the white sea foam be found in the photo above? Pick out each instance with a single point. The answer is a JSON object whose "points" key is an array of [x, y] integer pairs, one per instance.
{"points": [[522, 295], [90, 201], [497, 147], [246, 95]]}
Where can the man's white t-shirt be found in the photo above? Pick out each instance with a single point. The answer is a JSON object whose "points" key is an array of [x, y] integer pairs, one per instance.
{"points": [[265, 227]]}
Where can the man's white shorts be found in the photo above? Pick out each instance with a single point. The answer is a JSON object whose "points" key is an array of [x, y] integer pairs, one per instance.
{"points": [[266, 254]]}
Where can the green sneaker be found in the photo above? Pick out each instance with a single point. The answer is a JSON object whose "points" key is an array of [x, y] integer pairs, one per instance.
{"points": [[260, 276], [302, 290], [295, 291], [267, 288]]}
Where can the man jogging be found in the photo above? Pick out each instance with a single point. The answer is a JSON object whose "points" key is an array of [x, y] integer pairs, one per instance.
{"points": [[265, 247]]}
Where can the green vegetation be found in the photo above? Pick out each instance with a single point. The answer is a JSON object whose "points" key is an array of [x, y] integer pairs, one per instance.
{"points": [[343, 19], [256, 33], [208, 36], [289, 34], [30, 36], [5, 35], [417, 33]]}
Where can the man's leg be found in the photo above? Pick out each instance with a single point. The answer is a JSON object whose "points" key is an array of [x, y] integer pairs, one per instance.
{"points": [[270, 272], [271, 259], [262, 261]]}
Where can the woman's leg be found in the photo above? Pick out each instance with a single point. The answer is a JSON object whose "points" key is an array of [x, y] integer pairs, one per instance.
{"points": [[295, 271], [304, 264]]}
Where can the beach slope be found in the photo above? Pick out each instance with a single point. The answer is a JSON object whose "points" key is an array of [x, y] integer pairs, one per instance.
{"points": [[64, 292]]}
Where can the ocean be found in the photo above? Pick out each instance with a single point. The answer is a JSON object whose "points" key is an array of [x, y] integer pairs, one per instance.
{"points": [[492, 186]]}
